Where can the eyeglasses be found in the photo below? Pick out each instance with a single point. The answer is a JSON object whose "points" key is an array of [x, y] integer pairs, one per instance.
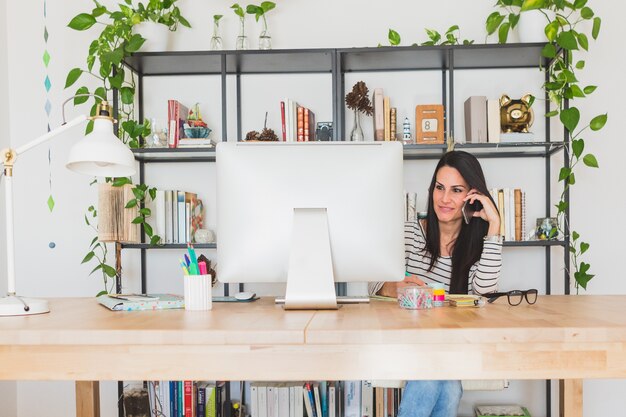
{"points": [[515, 297]]}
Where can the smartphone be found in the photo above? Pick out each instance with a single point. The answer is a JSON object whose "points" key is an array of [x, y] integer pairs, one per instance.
{"points": [[468, 210]]}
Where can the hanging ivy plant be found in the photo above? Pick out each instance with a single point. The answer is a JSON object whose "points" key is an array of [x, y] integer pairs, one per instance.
{"points": [[567, 32]]}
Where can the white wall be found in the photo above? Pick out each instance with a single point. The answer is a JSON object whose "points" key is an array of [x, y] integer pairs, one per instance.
{"points": [[8, 389], [294, 24]]}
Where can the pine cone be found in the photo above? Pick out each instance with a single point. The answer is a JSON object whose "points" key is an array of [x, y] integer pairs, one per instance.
{"points": [[268, 135], [358, 99], [252, 135]]}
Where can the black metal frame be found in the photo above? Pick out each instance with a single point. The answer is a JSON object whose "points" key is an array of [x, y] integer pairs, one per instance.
{"points": [[337, 62]]}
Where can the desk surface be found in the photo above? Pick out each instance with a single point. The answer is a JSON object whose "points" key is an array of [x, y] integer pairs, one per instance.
{"points": [[560, 337]]}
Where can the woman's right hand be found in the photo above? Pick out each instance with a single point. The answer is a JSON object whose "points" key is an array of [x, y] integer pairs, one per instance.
{"points": [[411, 280], [390, 289]]}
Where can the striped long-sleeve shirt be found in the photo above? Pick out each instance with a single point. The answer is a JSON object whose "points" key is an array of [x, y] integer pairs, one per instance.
{"points": [[483, 275]]}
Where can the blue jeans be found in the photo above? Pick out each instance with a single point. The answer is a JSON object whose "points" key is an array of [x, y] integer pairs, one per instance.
{"points": [[431, 399]]}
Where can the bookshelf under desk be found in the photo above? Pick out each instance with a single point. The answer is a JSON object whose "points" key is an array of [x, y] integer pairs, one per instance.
{"points": [[560, 337]]}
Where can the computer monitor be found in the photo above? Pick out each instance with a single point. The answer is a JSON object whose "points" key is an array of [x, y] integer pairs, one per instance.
{"points": [[310, 214]]}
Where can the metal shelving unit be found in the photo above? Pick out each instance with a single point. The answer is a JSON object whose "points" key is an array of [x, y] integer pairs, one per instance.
{"points": [[337, 63]]}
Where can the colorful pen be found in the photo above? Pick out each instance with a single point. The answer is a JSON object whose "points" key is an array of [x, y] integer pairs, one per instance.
{"points": [[187, 261], [202, 267], [194, 259], [185, 270]]}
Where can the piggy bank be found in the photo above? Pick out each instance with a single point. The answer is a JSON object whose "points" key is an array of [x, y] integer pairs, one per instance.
{"points": [[515, 115]]}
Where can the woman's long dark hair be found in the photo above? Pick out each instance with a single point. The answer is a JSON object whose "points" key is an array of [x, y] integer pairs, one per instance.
{"points": [[469, 244]]}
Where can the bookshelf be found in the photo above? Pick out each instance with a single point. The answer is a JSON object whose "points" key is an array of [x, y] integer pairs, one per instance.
{"points": [[337, 63]]}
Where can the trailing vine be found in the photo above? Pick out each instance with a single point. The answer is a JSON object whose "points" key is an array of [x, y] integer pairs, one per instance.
{"points": [[115, 42], [564, 37]]}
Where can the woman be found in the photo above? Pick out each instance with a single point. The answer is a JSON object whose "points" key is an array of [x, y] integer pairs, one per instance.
{"points": [[443, 248]]}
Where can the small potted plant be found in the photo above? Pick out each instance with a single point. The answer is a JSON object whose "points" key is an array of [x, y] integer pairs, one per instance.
{"points": [[359, 101], [265, 40], [156, 17]]}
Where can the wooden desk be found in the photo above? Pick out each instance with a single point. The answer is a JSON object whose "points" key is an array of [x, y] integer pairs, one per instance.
{"points": [[560, 337]]}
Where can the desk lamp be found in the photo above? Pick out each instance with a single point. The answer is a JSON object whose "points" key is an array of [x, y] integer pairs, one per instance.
{"points": [[99, 154]]}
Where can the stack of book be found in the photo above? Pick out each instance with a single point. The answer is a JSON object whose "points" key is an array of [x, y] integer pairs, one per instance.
{"points": [[176, 214], [385, 117], [511, 203], [298, 122], [188, 399]]}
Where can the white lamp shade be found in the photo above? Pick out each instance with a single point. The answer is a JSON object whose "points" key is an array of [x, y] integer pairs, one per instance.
{"points": [[101, 153]]}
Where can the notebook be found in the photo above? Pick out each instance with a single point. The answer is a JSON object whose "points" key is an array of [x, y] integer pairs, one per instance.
{"points": [[133, 302]]}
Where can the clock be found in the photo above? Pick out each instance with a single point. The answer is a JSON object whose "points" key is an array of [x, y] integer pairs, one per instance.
{"points": [[429, 126]]}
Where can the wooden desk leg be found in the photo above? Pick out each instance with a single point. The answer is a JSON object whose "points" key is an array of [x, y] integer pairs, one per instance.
{"points": [[571, 397], [87, 399]]}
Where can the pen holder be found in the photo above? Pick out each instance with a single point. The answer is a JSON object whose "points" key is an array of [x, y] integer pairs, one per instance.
{"points": [[198, 292], [415, 297]]}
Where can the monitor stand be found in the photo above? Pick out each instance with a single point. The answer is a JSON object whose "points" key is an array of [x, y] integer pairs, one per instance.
{"points": [[310, 278]]}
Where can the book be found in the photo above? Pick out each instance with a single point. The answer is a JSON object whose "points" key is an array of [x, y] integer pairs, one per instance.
{"points": [[501, 410], [300, 123], [196, 143], [282, 120], [463, 300], [367, 399], [159, 214], [187, 398], [180, 217], [151, 302], [476, 119], [306, 399], [493, 121], [393, 134], [379, 119], [176, 118], [387, 118], [169, 227], [352, 398], [115, 221], [309, 125]]}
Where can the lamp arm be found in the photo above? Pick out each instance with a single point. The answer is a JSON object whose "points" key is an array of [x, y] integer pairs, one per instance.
{"points": [[51, 134]]}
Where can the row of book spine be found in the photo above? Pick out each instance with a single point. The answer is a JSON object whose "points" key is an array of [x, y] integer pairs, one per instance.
{"points": [[298, 122], [482, 120], [175, 215], [511, 203], [384, 117], [323, 399], [187, 399]]}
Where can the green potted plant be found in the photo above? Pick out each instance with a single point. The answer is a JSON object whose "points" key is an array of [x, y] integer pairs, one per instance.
{"points": [[265, 40], [157, 16], [566, 32], [116, 41]]}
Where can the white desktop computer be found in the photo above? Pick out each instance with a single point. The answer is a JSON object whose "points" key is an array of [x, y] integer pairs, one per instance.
{"points": [[310, 214]]}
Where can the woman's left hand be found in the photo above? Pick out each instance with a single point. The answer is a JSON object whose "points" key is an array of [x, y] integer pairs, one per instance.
{"points": [[489, 212]]}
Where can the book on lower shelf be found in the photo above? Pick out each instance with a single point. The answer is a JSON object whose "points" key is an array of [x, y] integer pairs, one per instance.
{"points": [[136, 302], [196, 143], [501, 411]]}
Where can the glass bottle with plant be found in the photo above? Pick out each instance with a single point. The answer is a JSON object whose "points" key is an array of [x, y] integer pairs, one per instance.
{"points": [[216, 39], [359, 101], [242, 39], [265, 40]]}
